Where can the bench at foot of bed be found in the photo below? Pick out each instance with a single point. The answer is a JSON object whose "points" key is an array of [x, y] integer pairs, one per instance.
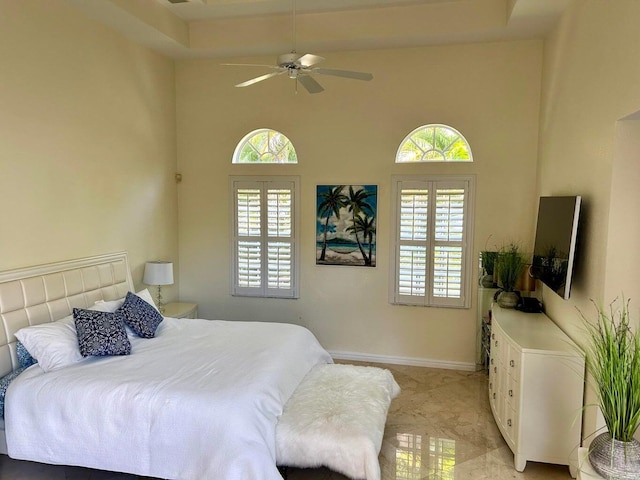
{"points": [[336, 419]]}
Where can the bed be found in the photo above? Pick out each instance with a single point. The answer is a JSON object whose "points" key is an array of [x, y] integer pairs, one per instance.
{"points": [[198, 400]]}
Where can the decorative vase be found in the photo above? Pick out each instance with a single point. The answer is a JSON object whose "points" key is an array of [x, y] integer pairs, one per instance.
{"points": [[508, 299], [486, 281], [614, 459]]}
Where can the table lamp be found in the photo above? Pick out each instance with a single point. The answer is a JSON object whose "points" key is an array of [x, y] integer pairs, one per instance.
{"points": [[158, 273]]}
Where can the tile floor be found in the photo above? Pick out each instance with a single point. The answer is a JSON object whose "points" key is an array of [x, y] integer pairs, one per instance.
{"points": [[439, 428]]}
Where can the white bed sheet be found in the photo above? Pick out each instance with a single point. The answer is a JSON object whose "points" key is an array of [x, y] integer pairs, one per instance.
{"points": [[199, 401]]}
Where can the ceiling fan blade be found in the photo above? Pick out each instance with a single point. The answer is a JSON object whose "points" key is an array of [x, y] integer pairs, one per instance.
{"points": [[248, 65], [310, 84], [344, 73], [259, 79], [309, 59]]}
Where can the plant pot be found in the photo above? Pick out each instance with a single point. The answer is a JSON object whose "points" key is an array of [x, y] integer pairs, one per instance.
{"points": [[508, 299], [486, 281], [614, 459]]}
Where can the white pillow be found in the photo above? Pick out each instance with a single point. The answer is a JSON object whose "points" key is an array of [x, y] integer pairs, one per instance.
{"points": [[107, 306], [146, 296], [54, 345], [113, 305]]}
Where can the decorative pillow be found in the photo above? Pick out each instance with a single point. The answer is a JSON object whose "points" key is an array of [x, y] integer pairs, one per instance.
{"points": [[140, 316], [101, 333], [4, 384], [54, 345], [24, 357]]}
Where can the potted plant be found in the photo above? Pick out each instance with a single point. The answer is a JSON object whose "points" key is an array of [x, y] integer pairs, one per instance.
{"points": [[488, 259], [509, 265], [613, 361]]}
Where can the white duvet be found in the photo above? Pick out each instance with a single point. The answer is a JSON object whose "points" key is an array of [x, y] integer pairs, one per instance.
{"points": [[199, 401]]}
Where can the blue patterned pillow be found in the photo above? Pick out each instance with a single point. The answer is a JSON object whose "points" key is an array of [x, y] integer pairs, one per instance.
{"points": [[100, 333], [24, 357], [4, 384], [140, 316]]}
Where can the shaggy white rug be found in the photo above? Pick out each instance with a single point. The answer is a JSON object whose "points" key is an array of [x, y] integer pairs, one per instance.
{"points": [[336, 419]]}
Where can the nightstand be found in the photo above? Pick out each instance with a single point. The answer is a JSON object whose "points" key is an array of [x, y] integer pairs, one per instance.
{"points": [[181, 310]]}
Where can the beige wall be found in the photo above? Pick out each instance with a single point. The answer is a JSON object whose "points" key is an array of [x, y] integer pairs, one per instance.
{"points": [[350, 134], [590, 84], [88, 154], [87, 141]]}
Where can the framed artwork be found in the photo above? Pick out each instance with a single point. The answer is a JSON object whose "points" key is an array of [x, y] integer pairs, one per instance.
{"points": [[346, 225]]}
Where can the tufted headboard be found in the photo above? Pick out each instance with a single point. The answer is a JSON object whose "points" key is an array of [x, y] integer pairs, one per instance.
{"points": [[45, 293]]}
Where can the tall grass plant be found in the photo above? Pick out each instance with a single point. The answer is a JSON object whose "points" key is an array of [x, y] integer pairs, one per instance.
{"points": [[509, 264], [613, 360]]}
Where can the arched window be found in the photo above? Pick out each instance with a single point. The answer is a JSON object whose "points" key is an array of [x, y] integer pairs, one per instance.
{"points": [[434, 143], [265, 146]]}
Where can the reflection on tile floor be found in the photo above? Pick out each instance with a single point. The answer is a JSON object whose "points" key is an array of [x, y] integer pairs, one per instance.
{"points": [[439, 428]]}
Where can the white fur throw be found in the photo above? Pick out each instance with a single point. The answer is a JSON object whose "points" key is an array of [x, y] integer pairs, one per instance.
{"points": [[335, 418]]}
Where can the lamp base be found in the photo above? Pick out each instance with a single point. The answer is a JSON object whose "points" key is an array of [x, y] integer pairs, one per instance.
{"points": [[159, 300]]}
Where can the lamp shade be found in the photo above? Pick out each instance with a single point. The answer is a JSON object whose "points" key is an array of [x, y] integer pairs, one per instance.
{"points": [[158, 273]]}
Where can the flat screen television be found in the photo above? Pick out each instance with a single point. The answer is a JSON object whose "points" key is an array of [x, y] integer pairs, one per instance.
{"points": [[555, 244]]}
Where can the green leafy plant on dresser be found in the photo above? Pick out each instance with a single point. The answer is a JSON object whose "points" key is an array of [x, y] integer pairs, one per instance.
{"points": [[510, 263]]}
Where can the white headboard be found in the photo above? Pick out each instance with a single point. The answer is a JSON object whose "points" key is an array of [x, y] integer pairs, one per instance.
{"points": [[45, 293]]}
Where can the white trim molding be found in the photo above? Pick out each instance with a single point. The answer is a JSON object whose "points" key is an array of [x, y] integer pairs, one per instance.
{"points": [[410, 361]]}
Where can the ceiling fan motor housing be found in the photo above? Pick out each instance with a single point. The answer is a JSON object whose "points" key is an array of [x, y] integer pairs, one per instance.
{"points": [[288, 60]]}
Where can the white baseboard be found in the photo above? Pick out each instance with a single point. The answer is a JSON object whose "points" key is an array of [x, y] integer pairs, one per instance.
{"points": [[415, 362]]}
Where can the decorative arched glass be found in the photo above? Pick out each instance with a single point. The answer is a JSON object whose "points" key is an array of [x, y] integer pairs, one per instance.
{"points": [[265, 146], [434, 143]]}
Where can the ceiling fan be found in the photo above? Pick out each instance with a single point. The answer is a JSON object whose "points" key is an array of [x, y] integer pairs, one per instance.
{"points": [[300, 67]]}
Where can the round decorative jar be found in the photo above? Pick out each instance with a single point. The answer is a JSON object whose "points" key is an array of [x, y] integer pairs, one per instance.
{"points": [[486, 281], [508, 299], [613, 459]]}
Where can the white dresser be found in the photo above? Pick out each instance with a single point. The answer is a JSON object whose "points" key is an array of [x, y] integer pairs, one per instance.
{"points": [[536, 383]]}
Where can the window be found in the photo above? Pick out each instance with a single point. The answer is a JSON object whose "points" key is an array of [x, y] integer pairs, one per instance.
{"points": [[431, 263], [434, 143], [265, 236], [265, 146]]}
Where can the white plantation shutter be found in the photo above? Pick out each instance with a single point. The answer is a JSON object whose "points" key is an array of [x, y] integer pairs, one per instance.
{"points": [[431, 265], [264, 236], [280, 240], [248, 237], [413, 255], [449, 233]]}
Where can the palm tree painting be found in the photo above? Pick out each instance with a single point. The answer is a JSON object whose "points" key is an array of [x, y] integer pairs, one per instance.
{"points": [[346, 225]]}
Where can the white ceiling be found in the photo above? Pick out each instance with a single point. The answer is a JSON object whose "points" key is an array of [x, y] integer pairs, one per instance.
{"points": [[219, 28]]}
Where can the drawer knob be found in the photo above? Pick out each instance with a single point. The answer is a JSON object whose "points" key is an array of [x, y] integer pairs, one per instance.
{"points": [[494, 396], [495, 369], [512, 363], [509, 422], [490, 385], [511, 393], [496, 343], [493, 335], [492, 361]]}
